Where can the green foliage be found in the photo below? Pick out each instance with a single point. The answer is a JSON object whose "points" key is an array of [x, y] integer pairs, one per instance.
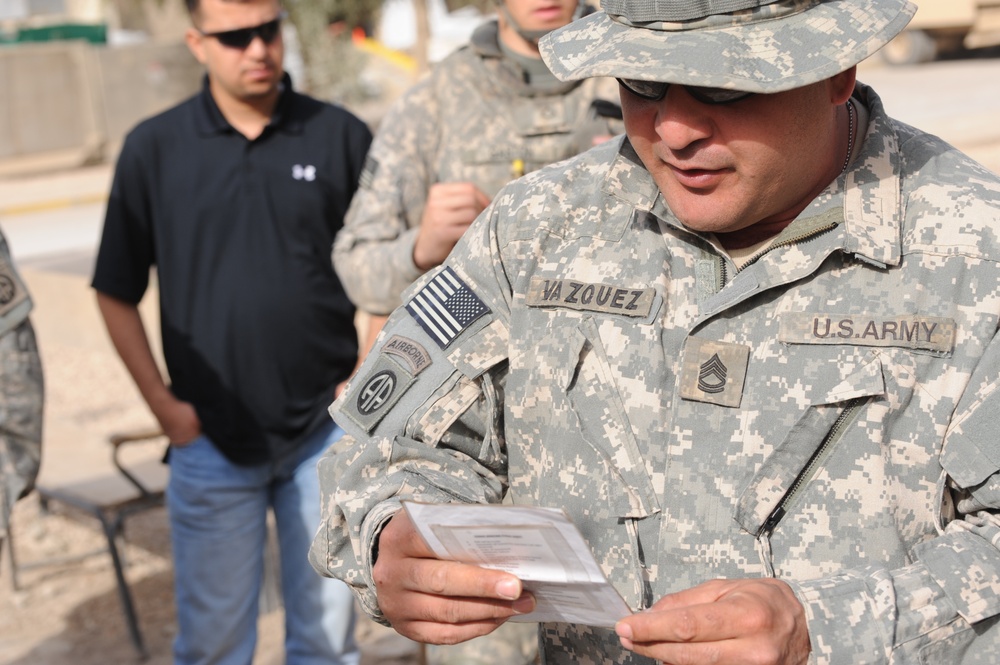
{"points": [[331, 64]]}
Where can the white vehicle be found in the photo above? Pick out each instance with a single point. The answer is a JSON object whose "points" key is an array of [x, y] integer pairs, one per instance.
{"points": [[942, 26]]}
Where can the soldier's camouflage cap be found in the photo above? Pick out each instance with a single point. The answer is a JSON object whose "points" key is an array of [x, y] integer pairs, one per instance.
{"points": [[760, 46]]}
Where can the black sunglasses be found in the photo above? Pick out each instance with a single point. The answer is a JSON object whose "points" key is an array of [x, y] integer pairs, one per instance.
{"points": [[654, 91], [241, 37]]}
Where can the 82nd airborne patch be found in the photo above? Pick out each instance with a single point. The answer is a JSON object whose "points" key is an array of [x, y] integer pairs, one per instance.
{"points": [[377, 393]]}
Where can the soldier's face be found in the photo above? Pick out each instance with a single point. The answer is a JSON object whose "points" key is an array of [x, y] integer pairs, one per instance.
{"points": [[541, 14], [243, 73], [758, 161]]}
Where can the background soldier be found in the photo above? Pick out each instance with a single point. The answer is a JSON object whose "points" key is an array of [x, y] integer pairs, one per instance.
{"points": [[488, 113], [21, 391]]}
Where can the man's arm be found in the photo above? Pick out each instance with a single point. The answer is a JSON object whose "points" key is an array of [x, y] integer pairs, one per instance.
{"points": [[373, 253], [178, 419]]}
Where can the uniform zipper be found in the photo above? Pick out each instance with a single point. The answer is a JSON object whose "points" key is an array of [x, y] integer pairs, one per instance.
{"points": [[812, 233], [764, 534]]}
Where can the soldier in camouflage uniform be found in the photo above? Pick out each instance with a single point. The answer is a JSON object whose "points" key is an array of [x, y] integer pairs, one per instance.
{"points": [[21, 391], [751, 348], [486, 114]]}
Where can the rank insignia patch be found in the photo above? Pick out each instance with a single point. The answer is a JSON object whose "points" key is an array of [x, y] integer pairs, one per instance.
{"points": [[714, 372], [712, 377], [445, 307]]}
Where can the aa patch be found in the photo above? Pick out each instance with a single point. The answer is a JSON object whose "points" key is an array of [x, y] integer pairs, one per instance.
{"points": [[12, 290], [377, 393], [714, 372], [411, 352], [445, 307], [927, 333], [584, 296], [368, 172]]}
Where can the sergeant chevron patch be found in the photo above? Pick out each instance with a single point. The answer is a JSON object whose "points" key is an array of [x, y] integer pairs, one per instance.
{"points": [[714, 372]]}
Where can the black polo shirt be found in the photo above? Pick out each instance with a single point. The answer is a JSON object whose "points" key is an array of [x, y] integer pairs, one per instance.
{"points": [[257, 330]]}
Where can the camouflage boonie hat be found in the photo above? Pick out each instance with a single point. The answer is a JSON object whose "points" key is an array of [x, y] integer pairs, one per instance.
{"points": [[760, 46]]}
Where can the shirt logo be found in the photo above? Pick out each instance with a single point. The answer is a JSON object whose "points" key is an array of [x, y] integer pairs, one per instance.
{"points": [[712, 377], [376, 392], [307, 172], [445, 307]]}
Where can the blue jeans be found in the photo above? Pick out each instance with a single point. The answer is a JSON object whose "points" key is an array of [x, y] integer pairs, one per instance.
{"points": [[218, 513]]}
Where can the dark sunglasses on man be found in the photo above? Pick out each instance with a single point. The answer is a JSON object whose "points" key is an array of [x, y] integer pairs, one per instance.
{"points": [[241, 37], [654, 91]]}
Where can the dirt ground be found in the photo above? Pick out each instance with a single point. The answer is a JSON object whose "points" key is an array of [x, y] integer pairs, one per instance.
{"points": [[67, 611]]}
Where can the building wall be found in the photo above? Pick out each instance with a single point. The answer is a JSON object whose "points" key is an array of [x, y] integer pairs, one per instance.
{"points": [[64, 104]]}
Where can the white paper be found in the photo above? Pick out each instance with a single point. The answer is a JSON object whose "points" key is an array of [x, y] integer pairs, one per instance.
{"points": [[539, 545]]}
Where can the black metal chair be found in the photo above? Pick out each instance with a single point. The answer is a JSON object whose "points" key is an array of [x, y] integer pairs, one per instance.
{"points": [[111, 509]]}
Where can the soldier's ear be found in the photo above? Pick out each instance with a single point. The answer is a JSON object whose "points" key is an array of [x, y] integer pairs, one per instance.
{"points": [[841, 86]]}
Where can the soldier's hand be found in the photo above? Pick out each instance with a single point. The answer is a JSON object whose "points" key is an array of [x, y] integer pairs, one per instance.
{"points": [[722, 622], [178, 419], [450, 208], [435, 601]]}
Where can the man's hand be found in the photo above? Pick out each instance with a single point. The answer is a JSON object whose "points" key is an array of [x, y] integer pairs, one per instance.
{"points": [[178, 419], [722, 622], [450, 208], [440, 602]]}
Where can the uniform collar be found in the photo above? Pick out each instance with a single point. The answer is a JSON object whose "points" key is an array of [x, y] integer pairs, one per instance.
{"points": [[485, 42], [209, 119], [870, 193]]}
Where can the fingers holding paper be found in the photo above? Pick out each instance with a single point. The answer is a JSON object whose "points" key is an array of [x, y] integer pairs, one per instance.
{"points": [[435, 601], [723, 621]]}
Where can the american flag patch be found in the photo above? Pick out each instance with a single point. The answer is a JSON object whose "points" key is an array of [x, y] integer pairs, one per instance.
{"points": [[445, 306]]}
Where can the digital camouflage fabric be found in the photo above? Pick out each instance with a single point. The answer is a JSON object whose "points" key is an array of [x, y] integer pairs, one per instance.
{"points": [[21, 390], [472, 119], [858, 358], [754, 45]]}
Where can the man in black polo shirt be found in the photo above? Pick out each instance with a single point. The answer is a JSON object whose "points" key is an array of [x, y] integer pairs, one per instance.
{"points": [[235, 196]]}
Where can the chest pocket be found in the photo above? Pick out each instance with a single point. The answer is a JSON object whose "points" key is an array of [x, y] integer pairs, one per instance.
{"points": [[803, 450], [541, 133], [585, 437]]}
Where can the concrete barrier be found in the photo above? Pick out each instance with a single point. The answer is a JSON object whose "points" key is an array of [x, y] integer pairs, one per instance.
{"points": [[65, 104]]}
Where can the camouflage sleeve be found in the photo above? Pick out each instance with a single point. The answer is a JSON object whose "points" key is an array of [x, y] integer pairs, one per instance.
{"points": [[937, 608], [422, 416], [373, 253], [21, 398], [21, 390]]}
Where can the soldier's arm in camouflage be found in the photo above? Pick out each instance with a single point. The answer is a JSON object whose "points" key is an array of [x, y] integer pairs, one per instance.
{"points": [[933, 610], [21, 405], [373, 253], [21, 389], [441, 442]]}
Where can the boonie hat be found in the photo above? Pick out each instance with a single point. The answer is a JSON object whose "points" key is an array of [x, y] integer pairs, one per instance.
{"points": [[760, 46]]}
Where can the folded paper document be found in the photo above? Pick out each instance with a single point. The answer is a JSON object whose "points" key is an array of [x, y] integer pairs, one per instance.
{"points": [[539, 545]]}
